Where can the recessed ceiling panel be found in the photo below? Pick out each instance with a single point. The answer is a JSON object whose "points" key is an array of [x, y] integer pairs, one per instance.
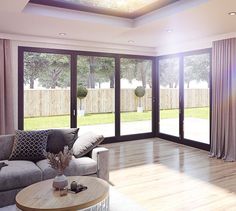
{"points": [[121, 8]]}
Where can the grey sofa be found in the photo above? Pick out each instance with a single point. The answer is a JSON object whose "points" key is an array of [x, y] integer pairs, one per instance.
{"points": [[19, 173]]}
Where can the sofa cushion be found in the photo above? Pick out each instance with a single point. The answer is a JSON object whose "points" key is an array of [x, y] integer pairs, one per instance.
{"points": [[59, 138], [77, 167], [85, 143], [29, 145], [19, 174]]}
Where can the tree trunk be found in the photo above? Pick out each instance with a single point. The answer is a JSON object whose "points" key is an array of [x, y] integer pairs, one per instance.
{"points": [[188, 84], [143, 74], [55, 75], [54, 84], [91, 78], [112, 81], [31, 83]]}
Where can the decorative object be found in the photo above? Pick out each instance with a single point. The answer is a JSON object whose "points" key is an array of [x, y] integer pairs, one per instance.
{"points": [[81, 94], [76, 187], [59, 162], [29, 145], [63, 192], [85, 143], [139, 92], [73, 186]]}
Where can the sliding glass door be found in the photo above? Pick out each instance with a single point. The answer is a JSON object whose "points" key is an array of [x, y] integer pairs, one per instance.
{"points": [[115, 95], [197, 97], [184, 97], [135, 96], [169, 95], [108, 94], [96, 95], [46, 90]]}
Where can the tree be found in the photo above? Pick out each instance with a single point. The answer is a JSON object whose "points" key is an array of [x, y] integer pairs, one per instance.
{"points": [[197, 68], [57, 73], [92, 70], [51, 70], [82, 70], [137, 69], [105, 71], [169, 72], [34, 65]]}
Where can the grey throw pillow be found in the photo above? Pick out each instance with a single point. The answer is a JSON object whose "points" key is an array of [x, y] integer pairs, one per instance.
{"points": [[58, 138], [85, 143], [29, 145]]}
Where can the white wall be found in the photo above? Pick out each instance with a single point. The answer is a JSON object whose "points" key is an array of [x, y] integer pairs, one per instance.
{"points": [[193, 45], [43, 42]]}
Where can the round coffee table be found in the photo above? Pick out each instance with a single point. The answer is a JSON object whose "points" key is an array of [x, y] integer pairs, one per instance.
{"points": [[41, 196]]}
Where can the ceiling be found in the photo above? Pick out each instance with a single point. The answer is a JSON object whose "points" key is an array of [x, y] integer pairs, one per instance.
{"points": [[119, 8], [183, 21]]}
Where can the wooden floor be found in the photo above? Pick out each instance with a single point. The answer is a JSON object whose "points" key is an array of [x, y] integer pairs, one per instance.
{"points": [[161, 175]]}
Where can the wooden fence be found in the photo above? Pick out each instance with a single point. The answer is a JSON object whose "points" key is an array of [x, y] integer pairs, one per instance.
{"points": [[57, 102]]}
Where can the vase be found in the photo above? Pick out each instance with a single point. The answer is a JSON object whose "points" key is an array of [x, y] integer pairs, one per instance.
{"points": [[60, 181], [140, 109]]}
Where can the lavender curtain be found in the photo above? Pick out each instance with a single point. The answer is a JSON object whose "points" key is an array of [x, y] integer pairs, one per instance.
{"points": [[6, 91], [224, 100]]}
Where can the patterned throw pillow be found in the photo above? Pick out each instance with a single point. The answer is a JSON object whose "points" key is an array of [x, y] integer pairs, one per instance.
{"points": [[29, 145]]}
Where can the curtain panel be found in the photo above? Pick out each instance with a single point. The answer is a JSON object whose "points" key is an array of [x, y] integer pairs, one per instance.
{"points": [[223, 128], [6, 90]]}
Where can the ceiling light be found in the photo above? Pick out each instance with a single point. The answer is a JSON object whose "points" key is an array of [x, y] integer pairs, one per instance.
{"points": [[130, 41], [232, 13], [62, 34], [169, 30]]}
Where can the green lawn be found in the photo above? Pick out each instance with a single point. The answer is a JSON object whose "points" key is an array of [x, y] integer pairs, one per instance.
{"points": [[93, 119]]}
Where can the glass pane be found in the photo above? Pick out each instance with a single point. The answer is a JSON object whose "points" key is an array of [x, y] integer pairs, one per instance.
{"points": [[96, 95], [196, 98], [169, 96], [46, 91], [136, 96], [121, 5]]}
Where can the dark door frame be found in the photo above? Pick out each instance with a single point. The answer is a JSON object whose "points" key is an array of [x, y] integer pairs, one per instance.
{"points": [[181, 139], [155, 92]]}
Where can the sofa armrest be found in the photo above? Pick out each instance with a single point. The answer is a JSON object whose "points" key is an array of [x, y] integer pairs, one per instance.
{"points": [[101, 155]]}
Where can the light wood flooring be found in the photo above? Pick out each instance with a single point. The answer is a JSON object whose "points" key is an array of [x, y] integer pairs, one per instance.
{"points": [[161, 175]]}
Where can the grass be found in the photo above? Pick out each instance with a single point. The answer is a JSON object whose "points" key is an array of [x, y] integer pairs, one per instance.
{"points": [[105, 118]]}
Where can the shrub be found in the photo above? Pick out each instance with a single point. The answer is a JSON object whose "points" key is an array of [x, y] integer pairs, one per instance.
{"points": [[82, 92], [139, 91]]}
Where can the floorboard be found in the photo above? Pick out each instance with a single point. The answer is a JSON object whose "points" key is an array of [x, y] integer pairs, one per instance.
{"points": [[162, 175]]}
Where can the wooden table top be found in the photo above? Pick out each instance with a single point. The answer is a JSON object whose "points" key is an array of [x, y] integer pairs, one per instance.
{"points": [[42, 196]]}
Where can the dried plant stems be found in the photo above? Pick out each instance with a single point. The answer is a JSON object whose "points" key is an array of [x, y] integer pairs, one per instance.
{"points": [[61, 160]]}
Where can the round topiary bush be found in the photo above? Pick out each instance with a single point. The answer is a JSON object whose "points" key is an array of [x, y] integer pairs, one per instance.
{"points": [[82, 92], [139, 91]]}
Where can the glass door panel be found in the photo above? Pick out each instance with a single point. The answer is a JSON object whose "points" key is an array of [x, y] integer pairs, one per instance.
{"points": [[136, 96], [46, 91], [169, 96], [197, 98], [96, 95]]}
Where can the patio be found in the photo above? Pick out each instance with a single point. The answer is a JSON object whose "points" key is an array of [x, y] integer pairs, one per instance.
{"points": [[195, 129]]}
